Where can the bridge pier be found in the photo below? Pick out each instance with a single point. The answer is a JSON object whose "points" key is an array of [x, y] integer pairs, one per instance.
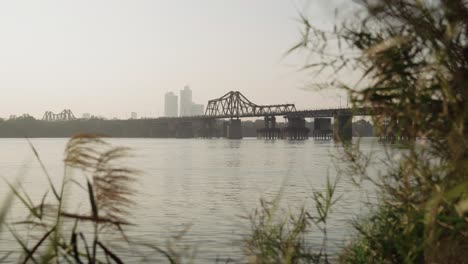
{"points": [[296, 129], [207, 129], [184, 129], [270, 131], [159, 130], [224, 129], [322, 129], [343, 128], [234, 129]]}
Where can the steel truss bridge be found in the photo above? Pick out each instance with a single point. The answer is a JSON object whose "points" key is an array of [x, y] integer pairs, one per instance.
{"points": [[65, 115], [235, 105]]}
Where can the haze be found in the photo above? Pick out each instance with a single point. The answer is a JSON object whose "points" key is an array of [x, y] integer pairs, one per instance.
{"points": [[113, 57]]}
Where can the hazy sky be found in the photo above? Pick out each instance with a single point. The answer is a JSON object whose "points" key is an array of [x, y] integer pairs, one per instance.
{"points": [[114, 57]]}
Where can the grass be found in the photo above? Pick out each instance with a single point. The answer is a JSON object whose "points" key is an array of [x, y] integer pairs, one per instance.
{"points": [[68, 236], [279, 237]]}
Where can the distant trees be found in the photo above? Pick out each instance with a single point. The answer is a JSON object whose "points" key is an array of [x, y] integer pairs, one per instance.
{"points": [[363, 128]]}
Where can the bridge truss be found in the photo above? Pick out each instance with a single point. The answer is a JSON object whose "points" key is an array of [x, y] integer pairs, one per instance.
{"points": [[235, 105], [65, 115]]}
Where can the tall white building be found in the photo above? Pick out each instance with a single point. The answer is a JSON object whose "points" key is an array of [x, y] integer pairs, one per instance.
{"points": [[170, 104], [133, 115], [186, 102]]}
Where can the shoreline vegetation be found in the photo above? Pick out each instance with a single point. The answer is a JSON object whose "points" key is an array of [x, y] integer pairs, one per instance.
{"points": [[413, 59]]}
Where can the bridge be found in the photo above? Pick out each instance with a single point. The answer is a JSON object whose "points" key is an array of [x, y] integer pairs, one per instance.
{"points": [[65, 115], [234, 106], [222, 118]]}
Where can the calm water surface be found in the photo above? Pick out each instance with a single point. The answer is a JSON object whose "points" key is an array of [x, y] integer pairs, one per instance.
{"points": [[205, 187]]}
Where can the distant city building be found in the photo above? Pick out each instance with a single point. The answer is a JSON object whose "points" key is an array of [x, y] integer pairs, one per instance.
{"points": [[86, 116], [134, 115], [197, 109], [170, 105], [186, 102]]}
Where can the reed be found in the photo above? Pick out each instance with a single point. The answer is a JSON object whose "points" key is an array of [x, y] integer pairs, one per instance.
{"points": [[62, 235], [412, 60], [280, 237]]}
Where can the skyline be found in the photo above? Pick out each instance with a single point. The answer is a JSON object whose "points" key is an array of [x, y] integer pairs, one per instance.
{"points": [[121, 57]]}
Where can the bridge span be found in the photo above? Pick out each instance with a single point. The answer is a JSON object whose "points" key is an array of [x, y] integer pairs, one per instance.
{"points": [[234, 106], [313, 113]]}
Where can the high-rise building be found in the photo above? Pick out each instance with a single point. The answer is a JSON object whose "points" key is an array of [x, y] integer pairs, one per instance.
{"points": [[170, 104], [186, 102], [197, 109], [134, 115]]}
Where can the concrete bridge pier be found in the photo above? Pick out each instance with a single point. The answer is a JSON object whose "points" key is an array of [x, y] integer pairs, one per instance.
{"points": [[343, 128], [224, 129], [184, 129], [322, 129], [208, 128], [234, 129], [270, 131], [296, 129], [160, 130]]}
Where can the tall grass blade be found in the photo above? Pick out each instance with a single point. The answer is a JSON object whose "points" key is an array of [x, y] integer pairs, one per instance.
{"points": [[86, 247], [74, 242], [92, 200], [22, 244], [36, 154], [6, 204], [110, 253], [4, 258], [30, 207], [41, 206], [34, 249], [165, 253]]}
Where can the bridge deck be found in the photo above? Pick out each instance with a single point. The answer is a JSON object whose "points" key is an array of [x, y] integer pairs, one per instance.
{"points": [[300, 114]]}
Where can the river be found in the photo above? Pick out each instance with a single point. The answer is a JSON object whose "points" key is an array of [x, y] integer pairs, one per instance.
{"points": [[203, 186]]}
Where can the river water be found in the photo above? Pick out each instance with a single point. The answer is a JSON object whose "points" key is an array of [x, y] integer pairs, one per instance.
{"points": [[203, 186]]}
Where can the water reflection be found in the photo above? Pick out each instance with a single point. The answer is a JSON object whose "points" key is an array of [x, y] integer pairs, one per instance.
{"points": [[233, 143]]}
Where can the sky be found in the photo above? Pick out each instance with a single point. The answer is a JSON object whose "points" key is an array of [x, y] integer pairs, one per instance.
{"points": [[113, 57]]}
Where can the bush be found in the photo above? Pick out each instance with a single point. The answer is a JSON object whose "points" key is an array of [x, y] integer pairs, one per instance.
{"points": [[413, 59]]}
